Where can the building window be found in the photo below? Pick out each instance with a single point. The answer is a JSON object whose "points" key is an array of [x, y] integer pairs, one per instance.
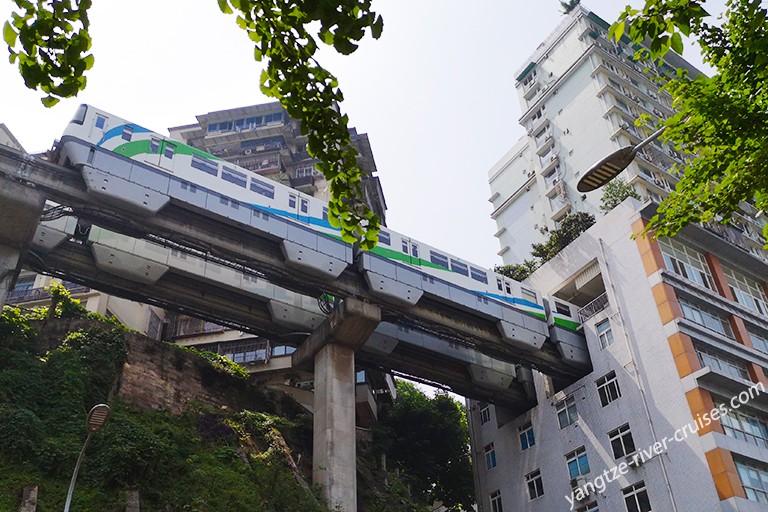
{"points": [[527, 439], [566, 412], [745, 426], [485, 414], [490, 456], [608, 388], [722, 363], [604, 333], [759, 342], [622, 443], [127, 133], [589, 507], [686, 262], [496, 502], [748, 292], [754, 478], [636, 498], [577, 462], [705, 318], [535, 485]]}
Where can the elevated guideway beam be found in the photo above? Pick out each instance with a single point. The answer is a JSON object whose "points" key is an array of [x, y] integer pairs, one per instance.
{"points": [[488, 327]]}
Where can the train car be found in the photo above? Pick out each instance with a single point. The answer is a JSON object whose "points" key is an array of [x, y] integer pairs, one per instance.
{"points": [[98, 139], [562, 314]]}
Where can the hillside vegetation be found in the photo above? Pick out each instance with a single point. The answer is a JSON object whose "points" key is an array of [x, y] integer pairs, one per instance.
{"points": [[206, 459]]}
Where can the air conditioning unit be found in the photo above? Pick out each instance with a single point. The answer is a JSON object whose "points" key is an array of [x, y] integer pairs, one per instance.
{"points": [[580, 482]]}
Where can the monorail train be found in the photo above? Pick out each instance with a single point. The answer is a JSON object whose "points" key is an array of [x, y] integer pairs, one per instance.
{"points": [[93, 133]]}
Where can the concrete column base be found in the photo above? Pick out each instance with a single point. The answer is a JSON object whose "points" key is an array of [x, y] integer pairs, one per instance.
{"points": [[334, 448], [10, 266]]}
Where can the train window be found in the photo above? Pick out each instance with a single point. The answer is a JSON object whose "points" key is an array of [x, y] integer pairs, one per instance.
{"points": [[528, 295], [304, 206], [202, 163], [498, 284], [508, 287], [262, 188], [405, 246], [325, 213], [231, 175], [562, 309], [384, 238], [414, 250], [478, 275], [459, 268], [154, 145], [438, 259], [170, 149], [187, 186], [127, 133], [79, 118], [291, 201], [101, 121]]}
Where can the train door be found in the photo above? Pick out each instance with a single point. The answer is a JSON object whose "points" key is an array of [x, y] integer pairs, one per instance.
{"points": [[154, 151], [303, 212], [167, 150], [99, 126], [410, 250]]}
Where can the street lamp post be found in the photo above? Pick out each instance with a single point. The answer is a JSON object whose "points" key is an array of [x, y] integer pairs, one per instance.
{"points": [[611, 166], [96, 419]]}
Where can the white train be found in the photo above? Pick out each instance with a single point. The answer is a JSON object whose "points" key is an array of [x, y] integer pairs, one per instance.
{"points": [[93, 134]]}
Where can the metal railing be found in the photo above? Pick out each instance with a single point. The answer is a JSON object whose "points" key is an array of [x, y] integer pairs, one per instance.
{"points": [[35, 294], [593, 307]]}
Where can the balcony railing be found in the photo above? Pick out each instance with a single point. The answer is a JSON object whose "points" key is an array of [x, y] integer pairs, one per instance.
{"points": [[36, 294], [593, 308]]}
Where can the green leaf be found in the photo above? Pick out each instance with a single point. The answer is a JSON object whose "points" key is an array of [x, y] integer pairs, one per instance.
{"points": [[49, 101], [9, 34], [677, 43], [224, 6], [616, 30]]}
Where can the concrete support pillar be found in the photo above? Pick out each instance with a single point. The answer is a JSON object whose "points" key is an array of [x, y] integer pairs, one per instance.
{"points": [[10, 266], [331, 350], [20, 210], [334, 449]]}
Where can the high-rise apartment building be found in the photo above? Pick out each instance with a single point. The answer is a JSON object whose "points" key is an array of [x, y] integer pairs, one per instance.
{"points": [[579, 96], [675, 327]]}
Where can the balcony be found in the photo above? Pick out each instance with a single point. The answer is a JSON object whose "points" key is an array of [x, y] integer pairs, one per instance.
{"points": [[304, 184], [20, 296], [183, 326], [593, 308], [560, 206]]}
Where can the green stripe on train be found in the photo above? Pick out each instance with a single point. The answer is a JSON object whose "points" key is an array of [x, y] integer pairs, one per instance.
{"points": [[568, 324]]}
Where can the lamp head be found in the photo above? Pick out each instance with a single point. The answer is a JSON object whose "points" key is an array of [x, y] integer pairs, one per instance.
{"points": [[97, 417], [606, 169]]}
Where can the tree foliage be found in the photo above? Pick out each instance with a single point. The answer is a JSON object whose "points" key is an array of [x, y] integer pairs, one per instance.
{"points": [[518, 271], [614, 193], [429, 442], [722, 120], [50, 43], [570, 228], [569, 5]]}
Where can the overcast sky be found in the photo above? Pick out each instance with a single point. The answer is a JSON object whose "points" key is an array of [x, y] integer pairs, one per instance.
{"points": [[435, 94]]}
